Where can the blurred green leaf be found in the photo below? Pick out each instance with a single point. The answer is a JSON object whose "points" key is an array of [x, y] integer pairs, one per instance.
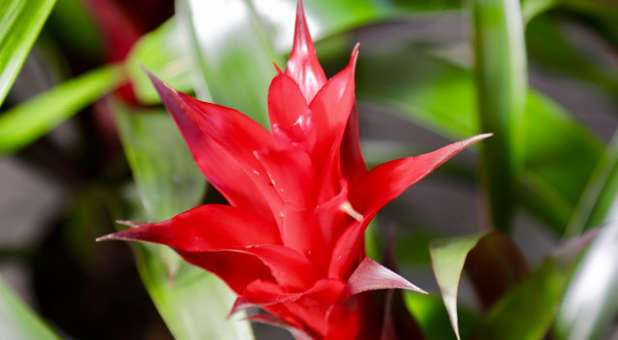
{"points": [[500, 69], [167, 178], [440, 96], [18, 322], [28, 121], [591, 300], [526, 312], [160, 52], [72, 24], [429, 312], [20, 24], [233, 52], [549, 46], [193, 303], [232, 39], [601, 193], [447, 259]]}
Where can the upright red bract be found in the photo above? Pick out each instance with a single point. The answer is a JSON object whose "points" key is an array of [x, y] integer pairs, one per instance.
{"points": [[291, 240]]}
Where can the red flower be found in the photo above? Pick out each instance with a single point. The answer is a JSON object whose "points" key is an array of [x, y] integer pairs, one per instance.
{"points": [[291, 239]]}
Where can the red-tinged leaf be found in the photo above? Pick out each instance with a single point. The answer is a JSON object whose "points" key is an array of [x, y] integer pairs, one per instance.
{"points": [[288, 110], [387, 181], [205, 228], [214, 134], [494, 266], [370, 275], [303, 65]]}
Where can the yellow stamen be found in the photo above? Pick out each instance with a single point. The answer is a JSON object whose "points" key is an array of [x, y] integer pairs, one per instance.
{"points": [[348, 209]]}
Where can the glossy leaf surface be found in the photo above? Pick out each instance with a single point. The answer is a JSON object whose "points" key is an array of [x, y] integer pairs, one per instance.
{"points": [[20, 24], [28, 121]]}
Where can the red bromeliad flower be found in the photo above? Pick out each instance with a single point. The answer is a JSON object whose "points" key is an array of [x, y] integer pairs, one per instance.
{"points": [[291, 240]]}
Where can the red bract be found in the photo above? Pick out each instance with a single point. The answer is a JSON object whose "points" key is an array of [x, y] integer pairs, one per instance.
{"points": [[291, 240]]}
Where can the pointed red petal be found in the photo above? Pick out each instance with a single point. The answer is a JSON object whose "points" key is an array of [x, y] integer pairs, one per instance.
{"points": [[303, 65], [370, 275], [332, 105], [290, 268], [387, 181], [225, 265], [352, 161], [222, 141], [331, 109], [205, 228], [290, 117], [348, 251]]}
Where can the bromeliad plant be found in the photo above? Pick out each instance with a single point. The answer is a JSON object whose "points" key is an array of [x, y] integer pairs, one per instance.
{"points": [[291, 240]]}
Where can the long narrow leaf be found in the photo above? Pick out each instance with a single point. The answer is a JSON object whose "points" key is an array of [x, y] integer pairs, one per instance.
{"points": [[28, 121], [18, 322], [591, 300], [601, 193], [20, 24], [500, 67]]}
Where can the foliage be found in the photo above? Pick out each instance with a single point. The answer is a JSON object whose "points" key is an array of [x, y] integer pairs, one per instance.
{"points": [[541, 159]]}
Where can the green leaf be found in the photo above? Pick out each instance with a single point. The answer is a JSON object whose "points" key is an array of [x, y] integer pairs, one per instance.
{"points": [[591, 300], [232, 51], [433, 319], [28, 121], [500, 69], [440, 96], [232, 39], [20, 24], [600, 195], [447, 259], [193, 303], [527, 311], [160, 52], [549, 46], [18, 322], [167, 178]]}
